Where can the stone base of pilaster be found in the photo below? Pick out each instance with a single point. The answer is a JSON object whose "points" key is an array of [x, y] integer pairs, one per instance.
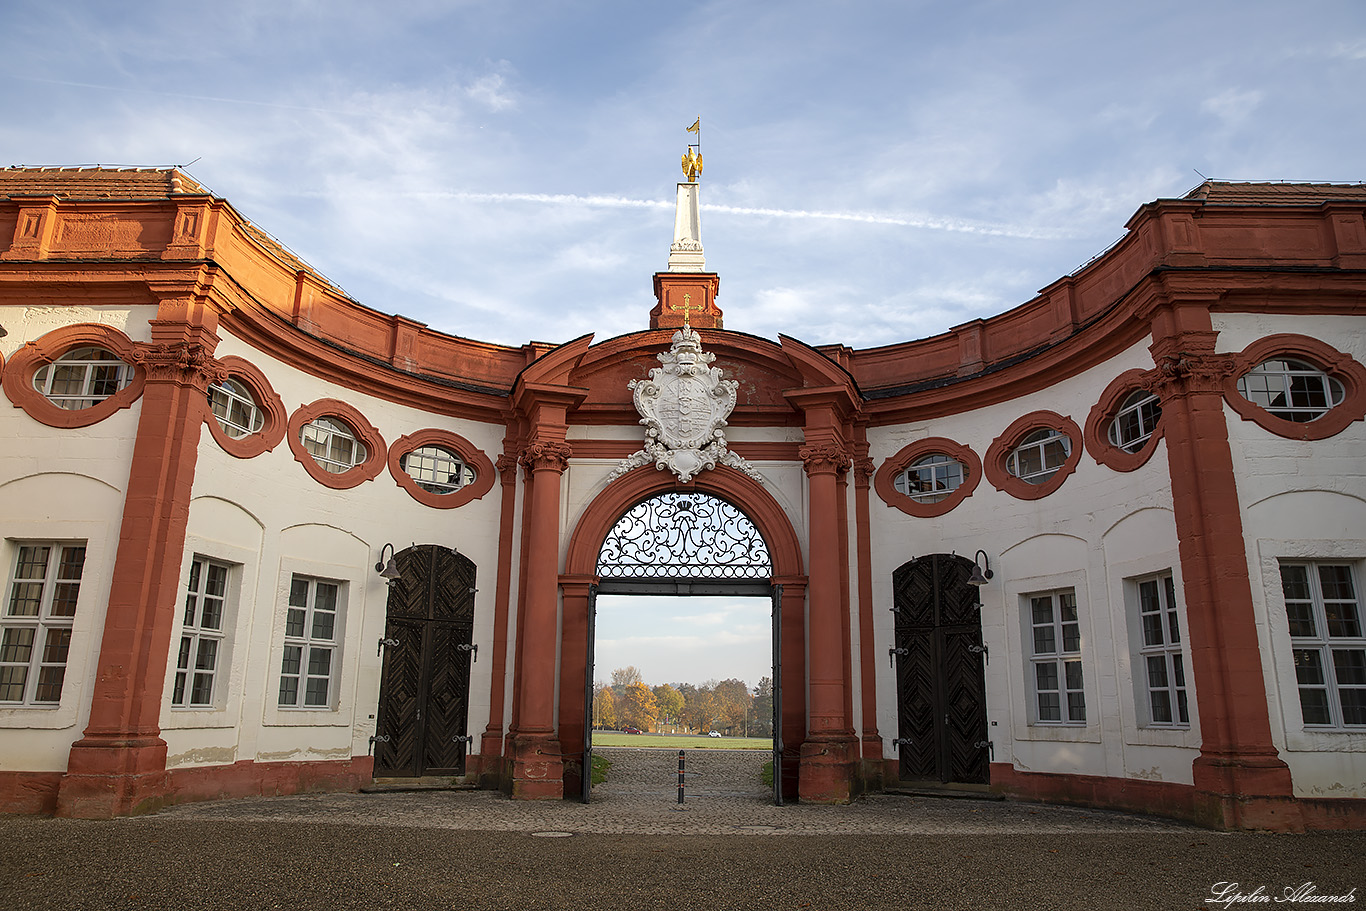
{"points": [[828, 771], [537, 768], [114, 777], [1246, 792]]}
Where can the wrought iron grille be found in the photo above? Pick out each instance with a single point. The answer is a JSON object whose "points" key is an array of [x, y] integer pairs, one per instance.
{"points": [[684, 536]]}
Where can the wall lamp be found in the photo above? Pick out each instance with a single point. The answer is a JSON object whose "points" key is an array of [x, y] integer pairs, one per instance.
{"points": [[981, 571], [388, 571]]}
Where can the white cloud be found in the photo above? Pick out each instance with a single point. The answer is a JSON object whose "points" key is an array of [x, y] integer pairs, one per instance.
{"points": [[1233, 106]]}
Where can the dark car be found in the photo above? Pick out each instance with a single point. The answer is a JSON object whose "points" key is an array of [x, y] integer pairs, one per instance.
{"points": [[631, 730]]}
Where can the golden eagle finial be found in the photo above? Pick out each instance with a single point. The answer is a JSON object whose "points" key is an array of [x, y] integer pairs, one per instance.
{"points": [[692, 159]]}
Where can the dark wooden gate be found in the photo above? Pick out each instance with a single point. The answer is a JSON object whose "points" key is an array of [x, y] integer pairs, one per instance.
{"points": [[941, 685], [425, 683]]}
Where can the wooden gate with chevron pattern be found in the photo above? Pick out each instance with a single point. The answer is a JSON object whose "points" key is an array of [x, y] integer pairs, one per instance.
{"points": [[941, 685], [425, 682]]}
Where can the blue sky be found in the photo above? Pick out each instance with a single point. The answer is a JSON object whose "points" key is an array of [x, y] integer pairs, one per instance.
{"points": [[875, 171]]}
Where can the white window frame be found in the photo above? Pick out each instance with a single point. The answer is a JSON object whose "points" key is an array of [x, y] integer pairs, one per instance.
{"points": [[433, 463], [44, 624], [1312, 636], [1160, 663], [198, 640], [1284, 377], [90, 382], [1051, 658], [935, 473], [235, 408], [321, 438], [1043, 440], [1145, 408], [307, 640]]}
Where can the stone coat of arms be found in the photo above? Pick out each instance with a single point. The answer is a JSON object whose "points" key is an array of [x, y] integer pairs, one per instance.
{"points": [[683, 405]]}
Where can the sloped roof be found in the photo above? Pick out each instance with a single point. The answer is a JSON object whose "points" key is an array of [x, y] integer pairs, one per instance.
{"points": [[97, 182], [1220, 192]]}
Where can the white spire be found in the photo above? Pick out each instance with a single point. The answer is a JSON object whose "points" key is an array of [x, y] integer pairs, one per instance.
{"points": [[685, 254]]}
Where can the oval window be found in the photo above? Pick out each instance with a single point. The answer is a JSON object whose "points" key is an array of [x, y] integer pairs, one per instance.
{"points": [[931, 478], [1039, 455], [332, 444], [82, 377], [1291, 390], [436, 469], [235, 408], [1135, 421]]}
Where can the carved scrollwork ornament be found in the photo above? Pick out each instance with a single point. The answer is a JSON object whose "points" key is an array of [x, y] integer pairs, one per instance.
{"points": [[185, 362], [552, 454], [824, 457], [505, 463], [1184, 372], [684, 405], [864, 469]]}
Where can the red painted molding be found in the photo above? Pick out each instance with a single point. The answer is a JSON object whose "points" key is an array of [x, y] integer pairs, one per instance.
{"points": [[470, 454], [1097, 432], [275, 417], [1001, 447], [1341, 367], [884, 482], [24, 363], [364, 430]]}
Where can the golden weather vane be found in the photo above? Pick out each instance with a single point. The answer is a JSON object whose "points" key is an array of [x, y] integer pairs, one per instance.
{"points": [[692, 159]]}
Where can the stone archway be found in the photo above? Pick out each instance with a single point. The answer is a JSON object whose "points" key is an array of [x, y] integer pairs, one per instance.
{"points": [[580, 576]]}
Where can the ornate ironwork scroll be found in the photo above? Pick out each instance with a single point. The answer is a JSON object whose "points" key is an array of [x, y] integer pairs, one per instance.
{"points": [[684, 536]]}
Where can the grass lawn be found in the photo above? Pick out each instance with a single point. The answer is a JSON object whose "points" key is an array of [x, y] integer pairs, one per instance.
{"points": [[679, 741]]}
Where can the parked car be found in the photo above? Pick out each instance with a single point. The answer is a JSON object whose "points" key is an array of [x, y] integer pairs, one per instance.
{"points": [[713, 733], [629, 730]]}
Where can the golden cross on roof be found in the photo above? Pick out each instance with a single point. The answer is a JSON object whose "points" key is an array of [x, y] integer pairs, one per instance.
{"points": [[686, 308]]}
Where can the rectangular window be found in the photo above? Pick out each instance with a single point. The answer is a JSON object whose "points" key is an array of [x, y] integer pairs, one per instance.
{"points": [[202, 643], [1055, 662], [1323, 610], [35, 628], [1162, 666], [307, 670]]}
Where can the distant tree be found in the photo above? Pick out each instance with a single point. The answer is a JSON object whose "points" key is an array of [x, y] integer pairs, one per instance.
{"points": [[761, 722], [733, 700], [625, 676], [605, 708], [670, 703], [638, 707], [699, 710]]}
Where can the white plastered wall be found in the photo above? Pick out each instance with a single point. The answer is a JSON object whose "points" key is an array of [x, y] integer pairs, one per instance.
{"points": [[269, 519], [1301, 500], [1100, 528], [67, 486]]}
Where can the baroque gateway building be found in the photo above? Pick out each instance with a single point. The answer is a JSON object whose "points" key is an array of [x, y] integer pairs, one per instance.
{"points": [[1106, 548]]}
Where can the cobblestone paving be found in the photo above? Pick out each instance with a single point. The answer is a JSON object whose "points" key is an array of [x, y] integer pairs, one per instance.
{"points": [[640, 797]]}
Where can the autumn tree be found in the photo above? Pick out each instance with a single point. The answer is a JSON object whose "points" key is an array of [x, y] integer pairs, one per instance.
{"points": [[699, 709], [670, 703], [638, 707], [605, 708], [732, 698]]}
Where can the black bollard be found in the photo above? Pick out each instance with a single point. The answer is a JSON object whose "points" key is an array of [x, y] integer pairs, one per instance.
{"points": [[680, 777]]}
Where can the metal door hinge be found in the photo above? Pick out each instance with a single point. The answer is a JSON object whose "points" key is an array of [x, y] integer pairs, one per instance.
{"points": [[981, 650], [893, 652], [898, 741], [466, 739], [472, 649], [377, 738], [986, 745]]}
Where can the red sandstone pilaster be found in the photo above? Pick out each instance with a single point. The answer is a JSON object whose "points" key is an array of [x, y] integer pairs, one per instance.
{"points": [[119, 766], [1240, 779]]}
